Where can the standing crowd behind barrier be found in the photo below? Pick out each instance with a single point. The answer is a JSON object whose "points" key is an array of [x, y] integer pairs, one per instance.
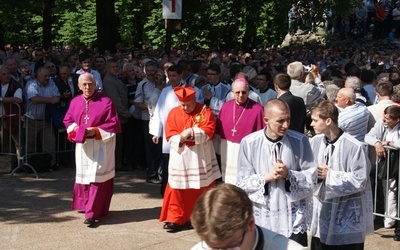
{"points": [[11, 133], [10, 113], [388, 175], [384, 137], [35, 131]]}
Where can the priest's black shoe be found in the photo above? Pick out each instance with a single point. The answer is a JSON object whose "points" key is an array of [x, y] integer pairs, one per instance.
{"points": [[90, 222], [188, 225], [172, 227]]}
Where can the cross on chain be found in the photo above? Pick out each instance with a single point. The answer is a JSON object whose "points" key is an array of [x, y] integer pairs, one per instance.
{"points": [[233, 131], [86, 118]]}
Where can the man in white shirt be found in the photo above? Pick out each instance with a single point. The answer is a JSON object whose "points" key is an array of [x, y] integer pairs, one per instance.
{"points": [[86, 63]]}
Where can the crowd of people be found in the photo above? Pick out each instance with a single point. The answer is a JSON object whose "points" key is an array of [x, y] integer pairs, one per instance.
{"points": [[378, 19], [289, 126]]}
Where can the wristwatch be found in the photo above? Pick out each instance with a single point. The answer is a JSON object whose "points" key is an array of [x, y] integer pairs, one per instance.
{"points": [[387, 143]]}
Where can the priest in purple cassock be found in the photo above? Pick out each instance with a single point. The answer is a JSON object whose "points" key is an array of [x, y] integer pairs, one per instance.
{"points": [[92, 123], [237, 118]]}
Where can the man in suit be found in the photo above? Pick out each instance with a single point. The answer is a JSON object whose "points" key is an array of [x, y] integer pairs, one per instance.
{"points": [[117, 91], [296, 104], [67, 84]]}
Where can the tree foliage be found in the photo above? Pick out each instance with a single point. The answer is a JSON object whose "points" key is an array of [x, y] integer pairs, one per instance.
{"points": [[75, 26], [205, 24]]}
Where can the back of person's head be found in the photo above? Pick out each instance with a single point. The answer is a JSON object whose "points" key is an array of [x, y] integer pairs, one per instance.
{"points": [[196, 66], [367, 76], [175, 68], [184, 64], [384, 88], [214, 67], [354, 83], [283, 81], [83, 57], [326, 75], [295, 70], [331, 90], [393, 111], [348, 65], [265, 72], [394, 78], [215, 60], [353, 71], [200, 81], [339, 82], [326, 109], [396, 94], [234, 69], [220, 212]]}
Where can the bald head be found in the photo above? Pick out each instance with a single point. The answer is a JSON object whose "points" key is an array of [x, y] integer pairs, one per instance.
{"points": [[275, 104], [277, 118], [346, 97]]}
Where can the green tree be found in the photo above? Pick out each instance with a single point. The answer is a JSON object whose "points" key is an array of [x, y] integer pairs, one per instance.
{"points": [[74, 22], [230, 24], [20, 21]]}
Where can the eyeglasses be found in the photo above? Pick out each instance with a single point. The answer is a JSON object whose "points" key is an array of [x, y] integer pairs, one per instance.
{"points": [[50, 66], [241, 92], [212, 74], [234, 246]]}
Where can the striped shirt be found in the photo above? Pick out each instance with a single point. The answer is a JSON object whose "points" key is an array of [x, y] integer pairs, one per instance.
{"points": [[354, 120], [34, 88]]}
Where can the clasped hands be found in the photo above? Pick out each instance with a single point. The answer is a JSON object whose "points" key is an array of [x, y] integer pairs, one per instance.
{"points": [[89, 132], [279, 172], [187, 135]]}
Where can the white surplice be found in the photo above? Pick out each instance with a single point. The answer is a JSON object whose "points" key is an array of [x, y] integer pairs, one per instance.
{"points": [[95, 159], [342, 212], [229, 164], [280, 210]]}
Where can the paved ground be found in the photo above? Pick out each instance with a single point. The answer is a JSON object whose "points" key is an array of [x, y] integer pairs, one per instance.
{"points": [[35, 214]]}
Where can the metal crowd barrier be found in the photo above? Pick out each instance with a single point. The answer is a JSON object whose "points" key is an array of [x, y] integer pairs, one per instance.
{"points": [[11, 134], [39, 143], [378, 182]]}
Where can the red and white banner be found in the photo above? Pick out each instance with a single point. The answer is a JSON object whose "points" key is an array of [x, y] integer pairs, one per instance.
{"points": [[172, 9]]}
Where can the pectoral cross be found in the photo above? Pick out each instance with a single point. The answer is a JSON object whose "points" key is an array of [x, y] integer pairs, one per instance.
{"points": [[233, 131], [86, 118]]}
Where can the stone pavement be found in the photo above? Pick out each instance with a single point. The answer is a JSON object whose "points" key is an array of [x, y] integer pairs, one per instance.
{"points": [[36, 214]]}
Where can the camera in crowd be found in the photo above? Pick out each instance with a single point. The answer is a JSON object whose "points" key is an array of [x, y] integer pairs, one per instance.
{"points": [[307, 68]]}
